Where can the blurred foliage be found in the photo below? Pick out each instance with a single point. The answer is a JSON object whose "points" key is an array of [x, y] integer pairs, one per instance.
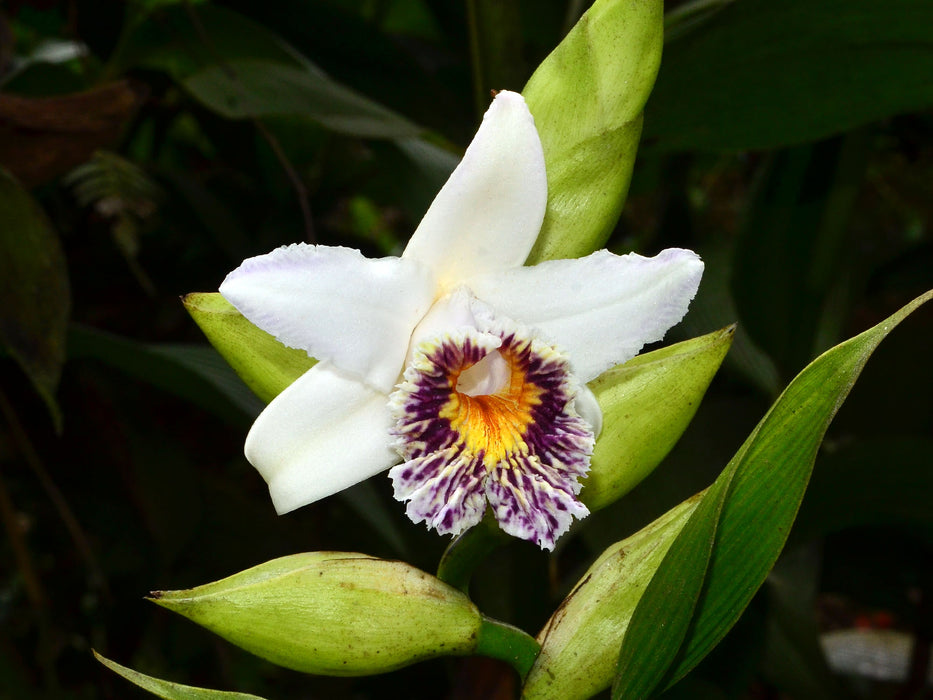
{"points": [[148, 146]]}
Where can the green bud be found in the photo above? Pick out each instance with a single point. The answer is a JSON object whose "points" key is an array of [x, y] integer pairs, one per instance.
{"points": [[647, 403], [587, 98], [263, 363], [334, 613], [580, 643]]}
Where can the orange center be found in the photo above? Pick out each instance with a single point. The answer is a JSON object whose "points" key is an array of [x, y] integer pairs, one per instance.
{"points": [[493, 424]]}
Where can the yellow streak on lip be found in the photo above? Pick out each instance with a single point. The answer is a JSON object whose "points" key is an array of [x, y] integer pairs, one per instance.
{"points": [[493, 423]]}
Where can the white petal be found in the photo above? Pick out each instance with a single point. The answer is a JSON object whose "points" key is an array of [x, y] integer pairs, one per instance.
{"points": [[489, 213], [588, 409], [452, 312], [600, 309], [325, 432], [335, 304]]}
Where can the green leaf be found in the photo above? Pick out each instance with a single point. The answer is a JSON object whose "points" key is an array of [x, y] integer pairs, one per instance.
{"points": [[180, 43], [245, 88], [587, 98], [35, 291], [714, 306], [579, 642], [647, 403], [761, 74], [761, 490], [660, 620], [194, 373], [334, 613], [263, 363], [169, 690], [240, 69]]}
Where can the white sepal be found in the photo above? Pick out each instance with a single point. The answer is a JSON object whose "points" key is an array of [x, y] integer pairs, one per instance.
{"points": [[325, 432]]}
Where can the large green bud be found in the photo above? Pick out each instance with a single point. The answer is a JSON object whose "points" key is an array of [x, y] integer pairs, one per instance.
{"points": [[647, 403], [334, 613], [587, 98], [580, 643]]}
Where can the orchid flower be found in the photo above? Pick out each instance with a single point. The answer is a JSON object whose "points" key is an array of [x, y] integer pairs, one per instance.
{"points": [[455, 362]]}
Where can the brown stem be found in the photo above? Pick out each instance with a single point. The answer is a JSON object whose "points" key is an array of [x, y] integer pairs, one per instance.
{"points": [[32, 459], [300, 190]]}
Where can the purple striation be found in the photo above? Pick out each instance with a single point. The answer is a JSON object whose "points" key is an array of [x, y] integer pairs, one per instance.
{"points": [[522, 448]]}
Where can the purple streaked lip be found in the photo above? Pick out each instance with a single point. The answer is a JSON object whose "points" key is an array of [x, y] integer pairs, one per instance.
{"points": [[521, 448]]}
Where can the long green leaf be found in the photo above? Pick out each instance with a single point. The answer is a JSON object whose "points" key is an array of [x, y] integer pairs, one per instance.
{"points": [[578, 643], [245, 88], [241, 69], [194, 373], [760, 74], [763, 486], [168, 690], [660, 623]]}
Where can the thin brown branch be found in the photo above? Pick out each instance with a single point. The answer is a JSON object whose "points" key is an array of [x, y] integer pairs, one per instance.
{"points": [[14, 530], [300, 190], [32, 459]]}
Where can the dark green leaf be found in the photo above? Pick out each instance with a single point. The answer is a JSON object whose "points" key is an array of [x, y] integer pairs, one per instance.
{"points": [[245, 88], [761, 74], [762, 488], [793, 658], [35, 291], [169, 690], [195, 373], [714, 306], [180, 42], [240, 69]]}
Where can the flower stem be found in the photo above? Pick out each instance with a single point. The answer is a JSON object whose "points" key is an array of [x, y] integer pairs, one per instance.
{"points": [[498, 640], [466, 552]]}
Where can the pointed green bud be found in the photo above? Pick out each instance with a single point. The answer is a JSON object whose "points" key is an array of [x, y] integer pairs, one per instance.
{"points": [[587, 98], [334, 613], [647, 404], [580, 643], [263, 363]]}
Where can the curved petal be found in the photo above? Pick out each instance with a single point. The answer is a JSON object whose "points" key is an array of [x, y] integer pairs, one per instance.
{"points": [[451, 312], [600, 309], [587, 407], [488, 214], [335, 304], [325, 432]]}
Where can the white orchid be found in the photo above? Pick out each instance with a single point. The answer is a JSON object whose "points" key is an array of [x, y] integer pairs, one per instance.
{"points": [[454, 359]]}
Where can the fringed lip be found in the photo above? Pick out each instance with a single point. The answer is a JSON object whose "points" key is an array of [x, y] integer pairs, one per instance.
{"points": [[521, 447]]}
